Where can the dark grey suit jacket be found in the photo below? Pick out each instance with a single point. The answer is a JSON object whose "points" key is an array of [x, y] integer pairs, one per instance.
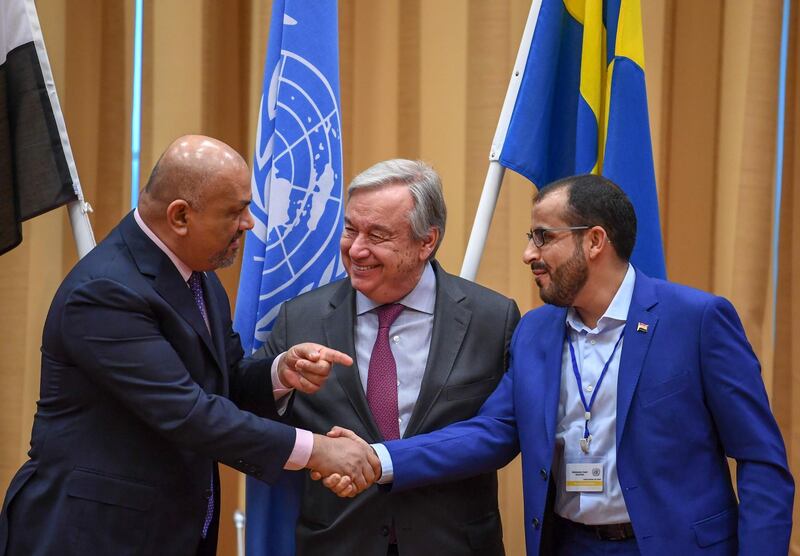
{"points": [[471, 333]]}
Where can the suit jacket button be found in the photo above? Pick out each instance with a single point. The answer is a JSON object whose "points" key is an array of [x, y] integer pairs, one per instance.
{"points": [[543, 473], [536, 523], [385, 530]]}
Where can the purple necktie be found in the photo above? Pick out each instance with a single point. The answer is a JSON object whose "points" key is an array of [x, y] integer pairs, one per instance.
{"points": [[196, 285], [382, 377]]}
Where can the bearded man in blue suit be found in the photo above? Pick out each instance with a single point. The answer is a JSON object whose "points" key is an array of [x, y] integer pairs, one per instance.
{"points": [[625, 395]]}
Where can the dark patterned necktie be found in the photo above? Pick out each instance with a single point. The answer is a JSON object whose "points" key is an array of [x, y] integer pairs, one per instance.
{"points": [[196, 285], [382, 377]]}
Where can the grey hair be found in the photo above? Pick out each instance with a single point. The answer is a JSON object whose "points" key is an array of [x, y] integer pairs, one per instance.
{"points": [[425, 187]]}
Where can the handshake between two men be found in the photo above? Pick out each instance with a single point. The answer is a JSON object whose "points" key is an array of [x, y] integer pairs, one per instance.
{"points": [[345, 463]]}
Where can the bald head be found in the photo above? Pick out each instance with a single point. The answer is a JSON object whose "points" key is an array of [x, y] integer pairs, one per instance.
{"points": [[196, 201], [186, 171]]}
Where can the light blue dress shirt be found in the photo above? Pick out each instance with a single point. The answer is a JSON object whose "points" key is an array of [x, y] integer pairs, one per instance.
{"points": [[409, 339], [593, 347]]}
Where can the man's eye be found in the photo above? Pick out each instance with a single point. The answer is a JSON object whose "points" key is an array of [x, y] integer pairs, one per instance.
{"points": [[375, 238]]}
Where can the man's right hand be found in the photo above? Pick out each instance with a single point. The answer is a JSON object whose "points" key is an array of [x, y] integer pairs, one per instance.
{"points": [[306, 367], [346, 460]]}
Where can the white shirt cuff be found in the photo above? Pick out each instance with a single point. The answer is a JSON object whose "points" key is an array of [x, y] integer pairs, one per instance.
{"points": [[387, 470], [280, 392], [279, 389]]}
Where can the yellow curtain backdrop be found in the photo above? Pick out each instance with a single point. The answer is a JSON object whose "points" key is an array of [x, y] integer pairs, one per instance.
{"points": [[426, 80]]}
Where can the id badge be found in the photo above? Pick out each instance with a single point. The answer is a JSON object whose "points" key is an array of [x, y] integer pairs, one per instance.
{"points": [[585, 475]]}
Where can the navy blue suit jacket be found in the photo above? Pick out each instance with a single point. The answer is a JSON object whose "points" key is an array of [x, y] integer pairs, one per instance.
{"points": [[689, 394], [137, 403]]}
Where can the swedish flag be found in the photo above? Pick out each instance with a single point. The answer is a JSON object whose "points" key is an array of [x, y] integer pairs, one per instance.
{"points": [[581, 107]]}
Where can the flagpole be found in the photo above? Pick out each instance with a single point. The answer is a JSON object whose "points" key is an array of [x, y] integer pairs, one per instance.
{"points": [[81, 227], [483, 219], [496, 171]]}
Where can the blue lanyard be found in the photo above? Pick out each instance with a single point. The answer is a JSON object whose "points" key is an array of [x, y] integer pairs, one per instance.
{"points": [[588, 407]]}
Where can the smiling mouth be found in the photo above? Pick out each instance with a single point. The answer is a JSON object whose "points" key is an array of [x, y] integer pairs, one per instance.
{"points": [[362, 268]]}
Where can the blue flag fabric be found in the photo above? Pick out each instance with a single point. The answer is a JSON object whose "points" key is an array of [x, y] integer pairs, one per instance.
{"points": [[298, 211], [582, 108]]}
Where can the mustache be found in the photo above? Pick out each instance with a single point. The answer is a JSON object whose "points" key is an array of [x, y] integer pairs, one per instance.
{"points": [[236, 236], [539, 265]]}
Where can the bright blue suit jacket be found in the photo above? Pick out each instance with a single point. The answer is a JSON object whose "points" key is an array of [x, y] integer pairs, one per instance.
{"points": [[690, 393]]}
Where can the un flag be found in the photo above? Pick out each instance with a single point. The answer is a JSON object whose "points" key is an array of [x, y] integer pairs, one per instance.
{"points": [[298, 211], [297, 169]]}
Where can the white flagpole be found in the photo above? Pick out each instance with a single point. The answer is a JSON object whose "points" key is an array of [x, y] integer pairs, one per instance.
{"points": [[81, 227], [79, 209], [496, 171]]}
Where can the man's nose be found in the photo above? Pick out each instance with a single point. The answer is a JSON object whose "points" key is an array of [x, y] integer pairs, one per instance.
{"points": [[359, 247], [531, 253], [247, 222]]}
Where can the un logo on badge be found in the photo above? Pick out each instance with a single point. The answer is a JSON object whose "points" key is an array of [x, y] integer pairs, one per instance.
{"points": [[297, 193]]}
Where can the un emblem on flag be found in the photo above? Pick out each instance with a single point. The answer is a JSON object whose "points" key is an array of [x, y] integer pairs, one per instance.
{"points": [[297, 184]]}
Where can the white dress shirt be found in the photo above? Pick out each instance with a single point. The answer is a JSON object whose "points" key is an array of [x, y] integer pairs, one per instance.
{"points": [[593, 347]]}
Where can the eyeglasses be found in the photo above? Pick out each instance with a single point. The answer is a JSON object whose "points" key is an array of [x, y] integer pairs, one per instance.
{"points": [[542, 236]]}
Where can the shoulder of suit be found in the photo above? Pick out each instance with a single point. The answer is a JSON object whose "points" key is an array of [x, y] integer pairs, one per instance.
{"points": [[472, 289], [545, 314], [109, 259], [673, 294], [319, 295]]}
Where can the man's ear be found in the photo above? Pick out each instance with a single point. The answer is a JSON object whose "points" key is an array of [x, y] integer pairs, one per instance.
{"points": [[178, 217], [429, 244], [598, 241]]}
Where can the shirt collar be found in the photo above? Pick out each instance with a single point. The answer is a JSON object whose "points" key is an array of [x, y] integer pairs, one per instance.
{"points": [[182, 267], [422, 298], [618, 309]]}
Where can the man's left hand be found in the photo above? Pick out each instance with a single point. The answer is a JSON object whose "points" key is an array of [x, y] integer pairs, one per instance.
{"points": [[306, 367]]}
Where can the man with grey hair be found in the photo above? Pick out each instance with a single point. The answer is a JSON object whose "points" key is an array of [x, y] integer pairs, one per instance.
{"points": [[429, 348]]}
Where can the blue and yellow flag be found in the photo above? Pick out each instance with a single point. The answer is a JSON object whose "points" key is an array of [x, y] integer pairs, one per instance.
{"points": [[581, 108], [298, 212]]}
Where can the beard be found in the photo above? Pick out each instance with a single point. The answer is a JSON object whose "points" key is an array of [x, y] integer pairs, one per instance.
{"points": [[225, 258], [566, 280]]}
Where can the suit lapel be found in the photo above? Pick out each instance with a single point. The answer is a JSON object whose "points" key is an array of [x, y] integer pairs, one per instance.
{"points": [[167, 281], [339, 327], [552, 345], [170, 286], [450, 321], [216, 321], [636, 341]]}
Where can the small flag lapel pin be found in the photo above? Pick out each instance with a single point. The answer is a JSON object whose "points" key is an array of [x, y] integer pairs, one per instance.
{"points": [[641, 327]]}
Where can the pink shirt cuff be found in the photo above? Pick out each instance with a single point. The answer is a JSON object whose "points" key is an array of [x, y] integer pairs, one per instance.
{"points": [[303, 444], [304, 440]]}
